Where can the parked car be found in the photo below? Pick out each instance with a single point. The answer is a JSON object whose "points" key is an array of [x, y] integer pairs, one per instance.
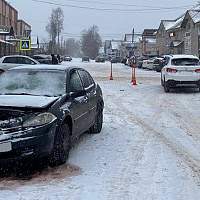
{"points": [[85, 59], [8, 62], [100, 59], [148, 64], [43, 59], [158, 64], [124, 61], [180, 71], [44, 108], [116, 60], [140, 62], [68, 58]]}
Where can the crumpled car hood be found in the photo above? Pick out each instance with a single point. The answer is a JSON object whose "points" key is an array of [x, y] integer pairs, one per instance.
{"points": [[21, 101]]}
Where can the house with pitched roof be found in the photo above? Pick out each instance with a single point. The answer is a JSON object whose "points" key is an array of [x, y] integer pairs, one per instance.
{"points": [[149, 45], [180, 36]]}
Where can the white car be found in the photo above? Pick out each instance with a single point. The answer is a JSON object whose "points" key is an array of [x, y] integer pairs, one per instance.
{"points": [[180, 71], [8, 62], [148, 64]]}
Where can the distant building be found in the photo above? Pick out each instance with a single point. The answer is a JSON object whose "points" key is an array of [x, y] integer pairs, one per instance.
{"points": [[112, 48], [8, 26], [132, 45], [23, 29], [149, 46], [107, 48], [180, 36]]}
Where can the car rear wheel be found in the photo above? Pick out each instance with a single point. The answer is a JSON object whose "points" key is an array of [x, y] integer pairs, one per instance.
{"points": [[97, 127], [166, 88], [61, 148]]}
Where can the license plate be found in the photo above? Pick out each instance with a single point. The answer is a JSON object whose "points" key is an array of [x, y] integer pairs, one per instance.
{"points": [[5, 147]]}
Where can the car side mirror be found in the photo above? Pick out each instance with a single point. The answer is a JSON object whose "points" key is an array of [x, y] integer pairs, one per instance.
{"points": [[77, 93]]}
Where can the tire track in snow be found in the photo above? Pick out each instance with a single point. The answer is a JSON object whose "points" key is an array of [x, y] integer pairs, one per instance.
{"points": [[191, 160]]}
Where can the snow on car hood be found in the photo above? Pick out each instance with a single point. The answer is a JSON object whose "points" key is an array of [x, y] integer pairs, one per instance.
{"points": [[26, 101]]}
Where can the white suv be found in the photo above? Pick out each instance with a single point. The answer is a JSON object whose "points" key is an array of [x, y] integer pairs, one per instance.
{"points": [[8, 62], [180, 71]]}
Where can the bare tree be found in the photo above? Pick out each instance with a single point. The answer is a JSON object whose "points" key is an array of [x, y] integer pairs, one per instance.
{"points": [[72, 47], [91, 42], [55, 27]]}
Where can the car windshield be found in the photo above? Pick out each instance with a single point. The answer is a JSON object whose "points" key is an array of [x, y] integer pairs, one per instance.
{"points": [[185, 62], [39, 83]]}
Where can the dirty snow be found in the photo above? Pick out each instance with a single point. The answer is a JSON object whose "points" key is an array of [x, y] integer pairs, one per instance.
{"points": [[148, 148]]}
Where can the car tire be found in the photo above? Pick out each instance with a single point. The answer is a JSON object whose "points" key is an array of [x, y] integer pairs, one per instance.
{"points": [[97, 127], [166, 88], [61, 148]]}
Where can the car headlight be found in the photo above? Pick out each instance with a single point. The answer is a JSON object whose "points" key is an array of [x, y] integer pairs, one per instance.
{"points": [[39, 120]]}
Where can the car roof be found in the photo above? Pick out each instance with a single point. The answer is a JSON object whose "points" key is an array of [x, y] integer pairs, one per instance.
{"points": [[183, 56], [45, 67], [42, 55], [16, 56]]}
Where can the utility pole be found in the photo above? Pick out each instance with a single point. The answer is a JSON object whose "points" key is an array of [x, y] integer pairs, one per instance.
{"points": [[133, 34]]}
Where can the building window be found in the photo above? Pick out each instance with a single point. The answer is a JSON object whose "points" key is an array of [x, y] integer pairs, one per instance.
{"points": [[187, 34], [172, 34]]}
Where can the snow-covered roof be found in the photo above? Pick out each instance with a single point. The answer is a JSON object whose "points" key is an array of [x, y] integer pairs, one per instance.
{"points": [[168, 24], [151, 40], [195, 15], [184, 56], [174, 24], [178, 22]]}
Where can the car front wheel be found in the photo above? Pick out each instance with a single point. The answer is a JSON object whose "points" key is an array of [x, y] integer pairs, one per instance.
{"points": [[61, 147]]}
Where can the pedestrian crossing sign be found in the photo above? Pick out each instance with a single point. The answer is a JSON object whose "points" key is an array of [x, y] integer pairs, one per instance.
{"points": [[25, 45]]}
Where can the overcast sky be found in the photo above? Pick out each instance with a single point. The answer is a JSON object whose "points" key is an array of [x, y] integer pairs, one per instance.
{"points": [[112, 24]]}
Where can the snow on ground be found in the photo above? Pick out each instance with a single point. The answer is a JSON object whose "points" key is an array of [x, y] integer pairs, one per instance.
{"points": [[149, 147]]}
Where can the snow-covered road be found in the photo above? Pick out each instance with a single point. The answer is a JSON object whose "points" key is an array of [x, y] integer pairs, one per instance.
{"points": [[149, 147]]}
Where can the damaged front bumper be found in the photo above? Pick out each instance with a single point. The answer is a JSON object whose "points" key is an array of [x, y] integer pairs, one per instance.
{"points": [[31, 142]]}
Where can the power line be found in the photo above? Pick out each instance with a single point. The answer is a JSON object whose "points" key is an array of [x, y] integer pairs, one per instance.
{"points": [[107, 9], [127, 5]]}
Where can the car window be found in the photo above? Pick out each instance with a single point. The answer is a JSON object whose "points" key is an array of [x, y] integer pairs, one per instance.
{"points": [[185, 62], [86, 79], [37, 57], [75, 82], [27, 61], [10, 60]]}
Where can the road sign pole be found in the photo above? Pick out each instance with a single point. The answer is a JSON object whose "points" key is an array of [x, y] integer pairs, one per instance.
{"points": [[111, 72], [133, 79]]}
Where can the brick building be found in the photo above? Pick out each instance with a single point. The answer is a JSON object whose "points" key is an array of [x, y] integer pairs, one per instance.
{"points": [[23, 29], [8, 26], [11, 29]]}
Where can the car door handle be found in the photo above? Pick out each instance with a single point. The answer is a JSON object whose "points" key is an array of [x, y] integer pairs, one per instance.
{"points": [[85, 100], [81, 100]]}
